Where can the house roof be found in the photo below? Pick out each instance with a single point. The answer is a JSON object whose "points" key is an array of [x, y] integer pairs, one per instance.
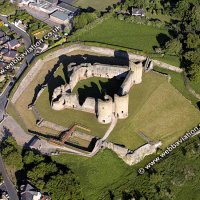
{"points": [[10, 54], [68, 7], [52, 1], [71, 2], [4, 50], [60, 15], [13, 43], [28, 192], [2, 34], [2, 65], [4, 39]]}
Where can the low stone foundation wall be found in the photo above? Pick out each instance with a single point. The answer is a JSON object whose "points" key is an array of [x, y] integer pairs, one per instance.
{"points": [[52, 126], [83, 136]]}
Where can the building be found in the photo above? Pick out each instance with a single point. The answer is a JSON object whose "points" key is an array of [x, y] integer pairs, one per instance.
{"points": [[138, 12], [3, 51], [12, 44], [2, 34], [71, 10], [4, 39], [60, 17], [2, 67], [9, 55], [28, 192], [20, 25]]}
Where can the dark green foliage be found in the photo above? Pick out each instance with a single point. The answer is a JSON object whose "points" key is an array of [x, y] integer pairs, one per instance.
{"points": [[83, 19], [172, 178], [48, 176], [11, 153]]}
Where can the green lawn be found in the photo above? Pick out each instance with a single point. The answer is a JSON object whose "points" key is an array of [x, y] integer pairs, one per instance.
{"points": [[157, 109], [178, 82], [120, 33], [97, 5], [195, 86], [97, 174]]}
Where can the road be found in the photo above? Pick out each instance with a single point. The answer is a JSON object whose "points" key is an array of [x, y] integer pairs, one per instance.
{"points": [[9, 186], [27, 42], [4, 99]]}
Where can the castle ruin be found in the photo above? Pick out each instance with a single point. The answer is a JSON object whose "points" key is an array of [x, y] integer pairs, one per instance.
{"points": [[108, 107]]}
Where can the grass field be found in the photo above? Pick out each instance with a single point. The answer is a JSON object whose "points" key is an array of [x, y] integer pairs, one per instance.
{"points": [[178, 82], [157, 109], [97, 174], [97, 5], [120, 33]]}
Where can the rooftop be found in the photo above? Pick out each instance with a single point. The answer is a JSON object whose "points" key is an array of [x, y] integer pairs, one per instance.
{"points": [[2, 65], [68, 7], [2, 34], [60, 15], [11, 54], [71, 2], [13, 43]]}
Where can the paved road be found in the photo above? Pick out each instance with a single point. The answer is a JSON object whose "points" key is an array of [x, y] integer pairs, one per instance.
{"points": [[4, 99], [9, 186], [27, 41]]}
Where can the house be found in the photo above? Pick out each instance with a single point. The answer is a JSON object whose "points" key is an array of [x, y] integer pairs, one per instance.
{"points": [[2, 67], [4, 40], [20, 25], [60, 17], [28, 192], [2, 34], [138, 12], [12, 44], [9, 55], [69, 9], [3, 51]]}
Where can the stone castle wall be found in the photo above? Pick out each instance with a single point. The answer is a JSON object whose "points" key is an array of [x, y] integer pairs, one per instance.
{"points": [[64, 98], [35, 69]]}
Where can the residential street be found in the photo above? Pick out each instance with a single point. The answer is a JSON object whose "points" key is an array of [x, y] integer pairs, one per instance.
{"points": [[9, 186], [27, 41]]}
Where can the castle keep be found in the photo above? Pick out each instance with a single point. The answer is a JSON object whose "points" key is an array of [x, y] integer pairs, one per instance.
{"points": [[108, 107]]}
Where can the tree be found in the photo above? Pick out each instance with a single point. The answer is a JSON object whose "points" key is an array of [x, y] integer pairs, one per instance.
{"points": [[195, 72], [181, 8], [85, 18], [31, 158], [193, 56], [173, 47], [64, 187], [193, 41], [195, 18], [11, 153]]}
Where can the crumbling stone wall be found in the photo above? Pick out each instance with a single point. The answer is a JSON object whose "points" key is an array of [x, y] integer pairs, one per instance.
{"points": [[35, 69], [64, 98], [133, 157]]}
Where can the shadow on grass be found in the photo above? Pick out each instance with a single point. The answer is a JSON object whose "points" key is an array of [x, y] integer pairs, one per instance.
{"points": [[198, 104], [109, 87]]}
